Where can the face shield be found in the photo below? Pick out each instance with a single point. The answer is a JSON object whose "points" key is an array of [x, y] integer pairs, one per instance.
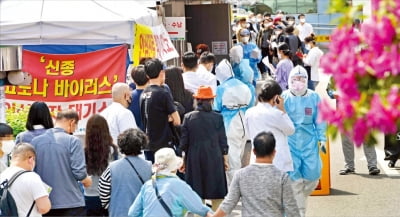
{"points": [[298, 80]]}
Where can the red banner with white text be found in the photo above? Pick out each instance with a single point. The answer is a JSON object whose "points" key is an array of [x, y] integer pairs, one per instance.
{"points": [[80, 81]]}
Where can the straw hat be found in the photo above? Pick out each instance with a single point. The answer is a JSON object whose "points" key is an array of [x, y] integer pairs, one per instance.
{"points": [[204, 92]]}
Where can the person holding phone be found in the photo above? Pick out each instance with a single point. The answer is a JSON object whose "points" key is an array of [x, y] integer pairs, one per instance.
{"points": [[270, 115]]}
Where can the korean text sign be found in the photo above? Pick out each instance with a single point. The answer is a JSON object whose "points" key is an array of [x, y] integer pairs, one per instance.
{"points": [[152, 42], [80, 81]]}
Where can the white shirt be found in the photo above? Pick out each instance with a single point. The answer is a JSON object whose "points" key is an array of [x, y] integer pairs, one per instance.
{"points": [[25, 189], [207, 78], [118, 119], [193, 80], [304, 30], [312, 59], [264, 117]]}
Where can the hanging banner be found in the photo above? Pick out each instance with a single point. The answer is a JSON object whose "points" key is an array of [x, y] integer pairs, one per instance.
{"points": [[81, 82], [152, 42], [145, 45]]}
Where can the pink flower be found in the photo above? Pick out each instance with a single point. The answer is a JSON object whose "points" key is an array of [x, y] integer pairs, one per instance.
{"points": [[378, 117], [378, 33], [366, 67], [375, 5], [329, 114]]}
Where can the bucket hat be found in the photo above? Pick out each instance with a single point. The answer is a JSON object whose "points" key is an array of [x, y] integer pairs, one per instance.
{"points": [[166, 160], [204, 92]]}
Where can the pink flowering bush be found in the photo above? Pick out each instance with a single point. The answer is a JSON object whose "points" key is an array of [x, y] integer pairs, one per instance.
{"points": [[365, 68]]}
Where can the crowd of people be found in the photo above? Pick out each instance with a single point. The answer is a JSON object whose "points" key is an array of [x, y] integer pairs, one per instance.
{"points": [[176, 141], [277, 44]]}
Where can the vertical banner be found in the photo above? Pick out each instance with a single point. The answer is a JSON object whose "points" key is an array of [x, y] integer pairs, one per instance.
{"points": [[152, 42], [145, 45], [81, 81]]}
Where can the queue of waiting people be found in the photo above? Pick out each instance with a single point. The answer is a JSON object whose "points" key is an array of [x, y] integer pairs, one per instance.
{"points": [[193, 120]]}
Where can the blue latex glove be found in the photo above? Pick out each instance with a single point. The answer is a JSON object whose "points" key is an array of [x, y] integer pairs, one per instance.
{"points": [[322, 146]]}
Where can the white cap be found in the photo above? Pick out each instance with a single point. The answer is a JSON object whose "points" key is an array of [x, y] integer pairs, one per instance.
{"points": [[27, 79], [16, 77]]}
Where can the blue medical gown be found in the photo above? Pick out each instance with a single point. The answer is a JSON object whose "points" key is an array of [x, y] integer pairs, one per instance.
{"points": [[303, 111], [247, 49], [244, 73]]}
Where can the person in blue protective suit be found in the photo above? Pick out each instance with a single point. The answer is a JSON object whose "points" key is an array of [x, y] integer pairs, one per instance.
{"points": [[232, 101], [301, 104], [250, 52], [242, 70]]}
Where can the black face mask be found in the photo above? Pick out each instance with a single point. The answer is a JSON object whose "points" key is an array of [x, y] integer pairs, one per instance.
{"points": [[129, 102]]}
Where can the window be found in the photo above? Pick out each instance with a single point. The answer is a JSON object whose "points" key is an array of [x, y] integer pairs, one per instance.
{"points": [[292, 6]]}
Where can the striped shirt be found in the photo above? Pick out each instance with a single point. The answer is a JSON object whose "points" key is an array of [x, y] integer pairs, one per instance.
{"points": [[105, 188]]}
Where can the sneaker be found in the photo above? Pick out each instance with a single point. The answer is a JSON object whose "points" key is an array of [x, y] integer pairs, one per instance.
{"points": [[391, 163], [374, 171], [347, 171]]}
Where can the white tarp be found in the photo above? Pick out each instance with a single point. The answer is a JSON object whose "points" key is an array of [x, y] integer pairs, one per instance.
{"points": [[27, 22]]}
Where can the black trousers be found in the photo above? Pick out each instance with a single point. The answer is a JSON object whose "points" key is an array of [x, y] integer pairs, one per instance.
{"points": [[77, 211], [392, 147]]}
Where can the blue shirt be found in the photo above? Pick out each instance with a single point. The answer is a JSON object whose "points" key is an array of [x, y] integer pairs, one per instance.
{"points": [[28, 135], [134, 107], [60, 162], [178, 196]]}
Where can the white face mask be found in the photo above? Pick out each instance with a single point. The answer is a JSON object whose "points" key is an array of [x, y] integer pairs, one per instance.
{"points": [[253, 20], [245, 39], [303, 20], [234, 28], [279, 56], [7, 146], [308, 47], [290, 22], [298, 88]]}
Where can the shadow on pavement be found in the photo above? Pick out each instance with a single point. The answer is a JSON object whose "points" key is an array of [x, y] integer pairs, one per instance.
{"points": [[337, 192], [380, 176]]}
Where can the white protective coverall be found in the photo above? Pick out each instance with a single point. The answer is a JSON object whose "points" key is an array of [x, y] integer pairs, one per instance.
{"points": [[232, 100]]}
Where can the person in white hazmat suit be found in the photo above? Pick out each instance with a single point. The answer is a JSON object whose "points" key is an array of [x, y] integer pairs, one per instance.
{"points": [[233, 99], [301, 104]]}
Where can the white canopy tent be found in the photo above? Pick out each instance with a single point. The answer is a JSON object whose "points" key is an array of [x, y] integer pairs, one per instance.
{"points": [[77, 22]]}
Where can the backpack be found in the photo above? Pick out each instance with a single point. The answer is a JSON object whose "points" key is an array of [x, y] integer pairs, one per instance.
{"points": [[7, 202]]}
